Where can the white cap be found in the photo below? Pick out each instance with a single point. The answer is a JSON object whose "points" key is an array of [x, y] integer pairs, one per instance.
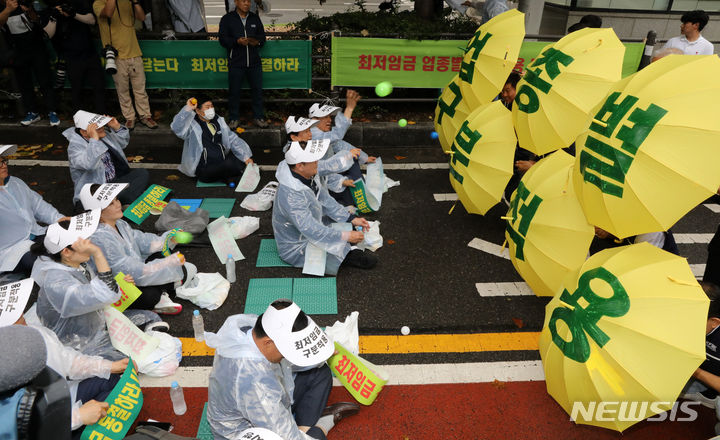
{"points": [[16, 295], [258, 434], [8, 150], [314, 150], [82, 225], [103, 197], [296, 125], [318, 111], [306, 347], [82, 119]]}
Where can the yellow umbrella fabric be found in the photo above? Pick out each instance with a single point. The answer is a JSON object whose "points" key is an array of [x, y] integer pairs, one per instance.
{"points": [[481, 158], [628, 329], [450, 112], [547, 233], [647, 156], [562, 85], [490, 56]]}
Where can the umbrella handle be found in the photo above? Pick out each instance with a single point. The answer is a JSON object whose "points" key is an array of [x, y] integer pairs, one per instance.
{"points": [[595, 47], [682, 282]]}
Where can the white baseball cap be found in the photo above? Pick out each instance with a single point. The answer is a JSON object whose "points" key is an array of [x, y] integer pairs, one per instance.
{"points": [[296, 125], [319, 111], [103, 197], [258, 434], [82, 225], [8, 150], [16, 295], [82, 119], [314, 150], [305, 347]]}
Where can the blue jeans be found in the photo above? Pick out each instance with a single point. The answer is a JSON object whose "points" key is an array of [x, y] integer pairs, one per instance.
{"points": [[236, 75]]}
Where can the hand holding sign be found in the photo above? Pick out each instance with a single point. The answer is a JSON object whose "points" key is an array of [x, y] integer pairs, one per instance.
{"points": [[92, 411]]}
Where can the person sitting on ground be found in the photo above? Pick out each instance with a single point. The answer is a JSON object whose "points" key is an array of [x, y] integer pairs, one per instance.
{"points": [[72, 295], [691, 42], [605, 240], [96, 156], [303, 211], [136, 253], [208, 143], [252, 383], [21, 209]]}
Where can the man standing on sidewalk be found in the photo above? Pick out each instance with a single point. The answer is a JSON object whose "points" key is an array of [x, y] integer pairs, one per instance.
{"points": [[691, 42], [116, 20], [242, 34]]}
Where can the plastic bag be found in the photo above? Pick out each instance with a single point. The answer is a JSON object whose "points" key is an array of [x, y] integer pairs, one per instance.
{"points": [[175, 216], [250, 179], [346, 333], [165, 359], [241, 227], [209, 291], [373, 240], [262, 200]]}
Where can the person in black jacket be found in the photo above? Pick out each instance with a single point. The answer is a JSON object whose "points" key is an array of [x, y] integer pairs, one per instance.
{"points": [[242, 34]]}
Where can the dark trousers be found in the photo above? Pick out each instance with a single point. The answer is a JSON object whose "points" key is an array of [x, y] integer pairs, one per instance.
{"points": [[312, 389], [94, 388], [712, 268], [82, 72], [33, 62], [235, 80], [138, 178], [345, 197], [224, 171], [151, 294]]}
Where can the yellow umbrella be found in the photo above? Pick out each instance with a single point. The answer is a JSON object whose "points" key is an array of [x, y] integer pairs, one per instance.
{"points": [[450, 113], [481, 158], [490, 56], [628, 329], [647, 157], [562, 85], [547, 232]]}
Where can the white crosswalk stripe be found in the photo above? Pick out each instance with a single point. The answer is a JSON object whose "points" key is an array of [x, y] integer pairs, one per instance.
{"points": [[449, 197], [692, 238], [714, 207], [490, 248], [504, 289]]}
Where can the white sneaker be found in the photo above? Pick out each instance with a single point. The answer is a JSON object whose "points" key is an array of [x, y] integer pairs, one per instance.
{"points": [[708, 402], [166, 306]]}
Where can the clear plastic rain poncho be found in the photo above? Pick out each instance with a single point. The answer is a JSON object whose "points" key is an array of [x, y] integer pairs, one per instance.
{"points": [[20, 209], [71, 306], [186, 128], [246, 390], [85, 156], [300, 217], [127, 250]]}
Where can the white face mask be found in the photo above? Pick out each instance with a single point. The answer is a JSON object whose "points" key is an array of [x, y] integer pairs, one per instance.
{"points": [[209, 113]]}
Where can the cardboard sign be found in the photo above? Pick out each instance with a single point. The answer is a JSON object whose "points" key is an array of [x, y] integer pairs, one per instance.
{"points": [[223, 241], [250, 179], [361, 378], [126, 401], [126, 337], [82, 119], [368, 194], [13, 297], [128, 291], [139, 210], [157, 209]]}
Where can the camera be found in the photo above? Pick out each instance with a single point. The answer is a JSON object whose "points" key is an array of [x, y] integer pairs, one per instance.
{"points": [[110, 54]]}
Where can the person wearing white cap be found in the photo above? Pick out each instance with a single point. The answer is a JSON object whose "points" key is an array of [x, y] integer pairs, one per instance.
{"points": [[301, 205], [211, 150], [252, 384], [96, 155], [134, 252], [72, 294], [21, 209]]}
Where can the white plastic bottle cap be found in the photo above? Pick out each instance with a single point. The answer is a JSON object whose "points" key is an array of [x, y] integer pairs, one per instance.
{"points": [[196, 312], [174, 384]]}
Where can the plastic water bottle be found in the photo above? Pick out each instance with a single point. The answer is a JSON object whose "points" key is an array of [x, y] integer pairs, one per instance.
{"points": [[198, 326], [178, 398], [230, 268]]}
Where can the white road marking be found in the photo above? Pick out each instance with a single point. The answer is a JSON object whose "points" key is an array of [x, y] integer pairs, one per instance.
{"points": [[490, 248], [419, 374], [504, 289], [698, 270], [714, 207], [692, 238], [450, 197]]}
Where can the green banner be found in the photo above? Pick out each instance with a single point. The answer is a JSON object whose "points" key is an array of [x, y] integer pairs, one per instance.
{"points": [[125, 402], [286, 64], [139, 210], [365, 62]]}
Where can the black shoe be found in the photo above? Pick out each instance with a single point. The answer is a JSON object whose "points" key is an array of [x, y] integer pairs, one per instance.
{"points": [[341, 410], [360, 259]]}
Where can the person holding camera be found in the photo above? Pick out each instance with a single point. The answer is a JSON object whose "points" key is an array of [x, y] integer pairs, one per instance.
{"points": [[123, 58], [27, 31]]}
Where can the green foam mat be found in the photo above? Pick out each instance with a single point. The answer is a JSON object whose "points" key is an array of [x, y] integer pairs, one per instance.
{"points": [[262, 291], [316, 296], [268, 255], [218, 207], [204, 432], [200, 184]]}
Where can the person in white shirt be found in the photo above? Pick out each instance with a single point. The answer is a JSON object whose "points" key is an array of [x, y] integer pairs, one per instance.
{"points": [[691, 42]]}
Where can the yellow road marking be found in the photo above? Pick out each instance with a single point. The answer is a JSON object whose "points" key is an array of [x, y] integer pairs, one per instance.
{"points": [[452, 343]]}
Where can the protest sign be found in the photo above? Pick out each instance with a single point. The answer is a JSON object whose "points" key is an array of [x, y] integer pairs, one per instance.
{"points": [[126, 337], [368, 194], [82, 119], [128, 293], [13, 297], [223, 241], [250, 179], [360, 377], [139, 210]]}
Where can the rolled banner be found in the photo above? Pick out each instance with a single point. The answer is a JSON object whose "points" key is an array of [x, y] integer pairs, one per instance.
{"points": [[128, 293], [166, 243], [367, 194], [363, 379]]}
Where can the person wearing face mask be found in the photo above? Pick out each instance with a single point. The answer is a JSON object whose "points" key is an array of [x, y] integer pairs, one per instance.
{"points": [[211, 151]]}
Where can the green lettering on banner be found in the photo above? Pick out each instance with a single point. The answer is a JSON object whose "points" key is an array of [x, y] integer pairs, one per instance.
{"points": [[125, 401], [524, 211], [449, 109], [139, 210], [465, 140], [475, 44], [582, 318]]}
